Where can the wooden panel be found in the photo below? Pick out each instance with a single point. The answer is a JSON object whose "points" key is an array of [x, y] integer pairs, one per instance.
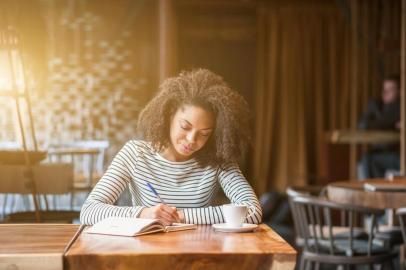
{"points": [[34, 246], [354, 83], [167, 40], [403, 89], [331, 165], [195, 249]]}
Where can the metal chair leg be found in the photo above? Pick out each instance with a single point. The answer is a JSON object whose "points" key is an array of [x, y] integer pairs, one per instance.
{"points": [[4, 205], [54, 201], [402, 257], [309, 265], [12, 203], [72, 197], [46, 202], [302, 263], [26, 202], [392, 265]]}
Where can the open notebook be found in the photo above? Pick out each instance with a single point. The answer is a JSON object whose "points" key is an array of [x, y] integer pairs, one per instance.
{"points": [[134, 226]]}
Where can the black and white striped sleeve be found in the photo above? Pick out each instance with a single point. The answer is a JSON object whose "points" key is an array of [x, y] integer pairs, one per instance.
{"points": [[238, 190], [99, 204]]}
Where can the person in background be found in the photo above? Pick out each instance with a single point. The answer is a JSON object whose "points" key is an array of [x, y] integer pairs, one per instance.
{"points": [[196, 130], [382, 114]]}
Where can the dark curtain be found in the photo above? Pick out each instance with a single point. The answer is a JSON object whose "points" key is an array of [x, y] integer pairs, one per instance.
{"points": [[316, 70]]}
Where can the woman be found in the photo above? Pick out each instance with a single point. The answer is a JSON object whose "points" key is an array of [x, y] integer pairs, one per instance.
{"points": [[196, 129]]}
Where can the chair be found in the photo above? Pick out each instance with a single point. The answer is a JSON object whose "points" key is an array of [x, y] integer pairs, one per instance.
{"points": [[339, 231], [401, 213], [389, 233], [87, 159], [7, 145], [11, 154], [49, 179], [314, 213]]}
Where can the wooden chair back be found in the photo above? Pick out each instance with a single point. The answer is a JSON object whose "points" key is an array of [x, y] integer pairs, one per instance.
{"points": [[315, 213], [401, 213], [87, 158], [293, 192], [49, 179]]}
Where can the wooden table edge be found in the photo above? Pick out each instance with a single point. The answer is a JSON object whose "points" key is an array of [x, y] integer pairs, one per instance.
{"points": [[40, 261]]}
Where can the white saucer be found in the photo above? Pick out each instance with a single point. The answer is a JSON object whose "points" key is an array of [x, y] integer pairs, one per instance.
{"points": [[223, 227]]}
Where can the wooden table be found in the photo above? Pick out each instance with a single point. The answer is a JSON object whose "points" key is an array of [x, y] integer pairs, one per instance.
{"points": [[34, 246], [363, 136], [353, 192], [194, 249], [41, 246], [73, 151]]}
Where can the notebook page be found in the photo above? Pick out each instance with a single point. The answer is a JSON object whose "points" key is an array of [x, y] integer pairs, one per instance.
{"points": [[123, 226]]}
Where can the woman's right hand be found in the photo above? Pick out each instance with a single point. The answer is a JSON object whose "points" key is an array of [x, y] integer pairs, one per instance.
{"points": [[163, 212]]}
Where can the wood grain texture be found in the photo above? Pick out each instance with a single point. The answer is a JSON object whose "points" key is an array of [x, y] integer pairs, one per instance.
{"points": [[353, 192], [363, 136], [34, 246], [203, 248], [46, 261]]}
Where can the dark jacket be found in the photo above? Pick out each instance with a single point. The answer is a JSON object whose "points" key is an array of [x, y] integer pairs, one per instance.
{"points": [[379, 116]]}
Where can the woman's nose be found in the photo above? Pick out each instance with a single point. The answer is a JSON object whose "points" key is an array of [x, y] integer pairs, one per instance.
{"points": [[191, 136]]}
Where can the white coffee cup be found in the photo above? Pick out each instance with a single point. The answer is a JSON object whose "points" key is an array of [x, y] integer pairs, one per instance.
{"points": [[235, 214]]}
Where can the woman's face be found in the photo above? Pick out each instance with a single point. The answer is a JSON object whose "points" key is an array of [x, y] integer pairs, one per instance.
{"points": [[190, 129]]}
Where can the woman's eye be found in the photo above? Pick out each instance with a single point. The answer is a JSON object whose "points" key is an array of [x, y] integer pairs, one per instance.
{"points": [[204, 134], [184, 127]]}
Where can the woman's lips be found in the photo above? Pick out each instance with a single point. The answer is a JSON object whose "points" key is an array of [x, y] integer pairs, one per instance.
{"points": [[186, 149]]}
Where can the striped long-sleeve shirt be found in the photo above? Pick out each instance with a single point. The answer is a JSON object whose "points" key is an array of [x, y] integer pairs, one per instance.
{"points": [[185, 185]]}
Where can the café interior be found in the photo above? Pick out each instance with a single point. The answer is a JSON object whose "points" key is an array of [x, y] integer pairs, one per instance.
{"points": [[75, 75]]}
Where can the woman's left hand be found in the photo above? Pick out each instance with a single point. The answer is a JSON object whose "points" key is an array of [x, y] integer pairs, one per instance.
{"points": [[181, 216]]}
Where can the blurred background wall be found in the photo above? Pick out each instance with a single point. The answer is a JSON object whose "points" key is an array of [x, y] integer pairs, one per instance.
{"points": [[305, 67]]}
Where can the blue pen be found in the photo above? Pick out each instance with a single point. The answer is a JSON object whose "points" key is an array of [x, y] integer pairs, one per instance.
{"points": [[155, 192]]}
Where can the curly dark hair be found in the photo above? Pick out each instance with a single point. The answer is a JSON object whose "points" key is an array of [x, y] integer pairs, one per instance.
{"points": [[203, 88]]}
